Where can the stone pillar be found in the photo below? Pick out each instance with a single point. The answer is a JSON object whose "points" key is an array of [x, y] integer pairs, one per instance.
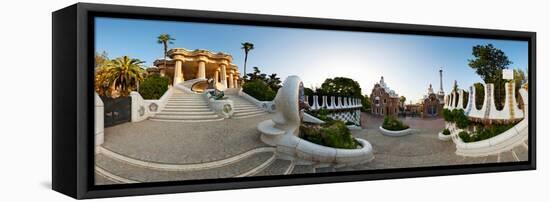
{"points": [[236, 82], [231, 79], [178, 73], [217, 76], [223, 74], [201, 72]]}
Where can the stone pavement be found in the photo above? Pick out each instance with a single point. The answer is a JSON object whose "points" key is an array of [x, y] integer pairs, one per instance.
{"points": [[184, 143], [191, 143]]}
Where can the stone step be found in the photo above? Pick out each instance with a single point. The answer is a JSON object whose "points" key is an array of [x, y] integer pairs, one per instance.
{"points": [[186, 99], [247, 109], [185, 113], [187, 110], [185, 117], [246, 167], [186, 104], [278, 167], [186, 107], [248, 114]]}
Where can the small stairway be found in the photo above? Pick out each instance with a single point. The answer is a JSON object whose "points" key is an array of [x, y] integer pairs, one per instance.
{"points": [[186, 107], [243, 108]]}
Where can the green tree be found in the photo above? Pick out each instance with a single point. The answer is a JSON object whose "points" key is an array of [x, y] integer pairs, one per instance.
{"points": [[308, 91], [274, 82], [259, 90], [480, 93], [256, 75], [366, 103], [340, 86], [519, 78], [100, 59], [122, 75], [489, 62], [402, 100], [247, 47], [153, 87], [165, 39]]}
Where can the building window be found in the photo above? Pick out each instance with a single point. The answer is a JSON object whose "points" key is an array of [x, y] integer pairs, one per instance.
{"points": [[384, 100]]}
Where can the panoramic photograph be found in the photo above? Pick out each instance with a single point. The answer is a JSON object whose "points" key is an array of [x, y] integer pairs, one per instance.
{"points": [[178, 101]]}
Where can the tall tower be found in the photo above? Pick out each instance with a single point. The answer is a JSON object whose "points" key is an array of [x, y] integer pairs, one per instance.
{"points": [[441, 93], [441, 82]]}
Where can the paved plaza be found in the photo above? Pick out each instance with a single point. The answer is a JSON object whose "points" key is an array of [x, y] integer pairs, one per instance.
{"points": [[150, 151]]}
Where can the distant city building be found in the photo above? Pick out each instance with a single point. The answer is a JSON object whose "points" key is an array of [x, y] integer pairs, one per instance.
{"points": [[385, 102], [431, 105], [413, 109]]}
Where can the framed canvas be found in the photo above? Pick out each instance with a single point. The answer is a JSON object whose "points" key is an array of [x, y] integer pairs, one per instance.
{"points": [[156, 100]]}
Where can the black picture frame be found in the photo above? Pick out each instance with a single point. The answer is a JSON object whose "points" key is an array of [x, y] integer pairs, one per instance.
{"points": [[72, 100]]}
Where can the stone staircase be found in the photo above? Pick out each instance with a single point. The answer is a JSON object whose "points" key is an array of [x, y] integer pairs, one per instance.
{"points": [[243, 108], [186, 107]]}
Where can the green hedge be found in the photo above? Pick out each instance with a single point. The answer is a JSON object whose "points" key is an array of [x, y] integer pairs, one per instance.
{"points": [[153, 87], [393, 124], [456, 116], [259, 90], [331, 134], [446, 131], [484, 132]]}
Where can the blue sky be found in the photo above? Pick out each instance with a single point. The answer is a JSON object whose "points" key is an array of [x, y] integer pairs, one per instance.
{"points": [[409, 63]]}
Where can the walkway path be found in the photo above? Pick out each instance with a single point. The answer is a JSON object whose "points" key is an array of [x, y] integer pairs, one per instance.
{"points": [[151, 151], [184, 143]]}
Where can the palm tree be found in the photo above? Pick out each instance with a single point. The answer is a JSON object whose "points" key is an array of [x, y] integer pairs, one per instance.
{"points": [[246, 46], [274, 82], [165, 39], [123, 74]]}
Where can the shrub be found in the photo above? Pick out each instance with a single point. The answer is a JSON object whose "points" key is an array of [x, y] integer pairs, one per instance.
{"points": [[456, 116], [331, 134], [462, 121], [483, 133], [154, 87], [323, 114], [446, 131], [464, 136], [259, 90], [447, 115], [391, 123]]}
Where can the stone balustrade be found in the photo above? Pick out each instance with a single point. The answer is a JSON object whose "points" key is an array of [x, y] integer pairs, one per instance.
{"points": [[336, 102]]}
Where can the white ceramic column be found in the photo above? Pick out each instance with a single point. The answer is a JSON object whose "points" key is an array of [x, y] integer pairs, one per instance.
{"points": [[230, 78], [217, 76], [201, 71], [223, 75], [324, 105], [178, 73]]}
